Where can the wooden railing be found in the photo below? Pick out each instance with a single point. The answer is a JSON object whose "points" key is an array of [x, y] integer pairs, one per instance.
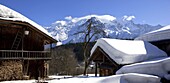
{"points": [[18, 54]]}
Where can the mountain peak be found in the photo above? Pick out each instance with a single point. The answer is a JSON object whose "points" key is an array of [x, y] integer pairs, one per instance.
{"points": [[93, 19]]}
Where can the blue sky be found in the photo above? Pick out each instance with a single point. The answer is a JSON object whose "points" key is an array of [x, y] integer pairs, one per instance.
{"points": [[45, 12]]}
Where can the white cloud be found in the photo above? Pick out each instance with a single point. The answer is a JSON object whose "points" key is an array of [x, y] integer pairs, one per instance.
{"points": [[128, 18], [103, 18]]}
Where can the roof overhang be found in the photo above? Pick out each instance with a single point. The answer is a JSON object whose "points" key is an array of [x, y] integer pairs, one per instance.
{"points": [[99, 51]]}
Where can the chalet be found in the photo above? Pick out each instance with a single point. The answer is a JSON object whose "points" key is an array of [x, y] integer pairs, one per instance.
{"points": [[109, 55], [159, 38], [23, 40]]}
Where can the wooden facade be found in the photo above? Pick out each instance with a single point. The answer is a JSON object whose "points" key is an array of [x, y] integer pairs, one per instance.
{"points": [[15, 44], [103, 63], [163, 45]]}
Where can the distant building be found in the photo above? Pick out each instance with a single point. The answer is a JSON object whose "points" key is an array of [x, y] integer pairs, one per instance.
{"points": [[109, 55], [159, 38], [23, 40]]}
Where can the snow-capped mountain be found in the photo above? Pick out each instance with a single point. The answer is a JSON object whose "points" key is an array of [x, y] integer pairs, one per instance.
{"points": [[72, 30]]}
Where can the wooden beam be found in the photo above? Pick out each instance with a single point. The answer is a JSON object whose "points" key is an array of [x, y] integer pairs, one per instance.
{"points": [[96, 69], [103, 58]]}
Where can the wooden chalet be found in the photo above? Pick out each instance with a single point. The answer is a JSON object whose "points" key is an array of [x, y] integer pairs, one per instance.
{"points": [[23, 40], [109, 55]]}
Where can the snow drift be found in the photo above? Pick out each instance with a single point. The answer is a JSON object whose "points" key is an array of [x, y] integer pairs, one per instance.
{"points": [[130, 78], [159, 67], [128, 51]]}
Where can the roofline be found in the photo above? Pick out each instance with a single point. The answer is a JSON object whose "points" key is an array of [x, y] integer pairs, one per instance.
{"points": [[31, 26]]}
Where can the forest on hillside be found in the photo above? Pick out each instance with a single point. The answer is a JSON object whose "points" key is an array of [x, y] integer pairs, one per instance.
{"points": [[68, 58]]}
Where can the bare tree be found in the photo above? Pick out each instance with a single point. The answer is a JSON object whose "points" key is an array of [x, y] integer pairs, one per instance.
{"points": [[93, 31]]}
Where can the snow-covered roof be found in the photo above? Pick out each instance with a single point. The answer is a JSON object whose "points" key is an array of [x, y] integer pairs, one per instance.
{"points": [[128, 51], [157, 35], [9, 14]]}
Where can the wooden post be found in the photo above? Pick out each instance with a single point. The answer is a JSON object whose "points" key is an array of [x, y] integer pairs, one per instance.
{"points": [[50, 48], [1, 36], [23, 35], [95, 69], [47, 69], [22, 49], [103, 58]]}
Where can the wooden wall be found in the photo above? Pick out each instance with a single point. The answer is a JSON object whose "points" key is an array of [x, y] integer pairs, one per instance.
{"points": [[6, 37], [163, 45], [32, 42]]}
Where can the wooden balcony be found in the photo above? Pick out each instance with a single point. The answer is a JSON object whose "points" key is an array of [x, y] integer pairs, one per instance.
{"points": [[18, 54]]}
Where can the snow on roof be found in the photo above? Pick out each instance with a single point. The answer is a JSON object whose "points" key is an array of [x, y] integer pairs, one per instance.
{"points": [[156, 35], [128, 51], [159, 67], [9, 14]]}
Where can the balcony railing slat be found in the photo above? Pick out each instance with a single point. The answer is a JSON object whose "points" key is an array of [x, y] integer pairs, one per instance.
{"points": [[17, 54]]}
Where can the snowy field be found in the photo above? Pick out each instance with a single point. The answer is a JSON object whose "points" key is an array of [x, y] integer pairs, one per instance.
{"points": [[124, 78], [63, 79]]}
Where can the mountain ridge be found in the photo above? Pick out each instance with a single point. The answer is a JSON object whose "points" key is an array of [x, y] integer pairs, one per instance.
{"points": [[124, 28]]}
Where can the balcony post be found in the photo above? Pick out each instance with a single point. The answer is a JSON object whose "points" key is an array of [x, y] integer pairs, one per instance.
{"points": [[22, 49], [50, 49], [23, 42], [96, 65]]}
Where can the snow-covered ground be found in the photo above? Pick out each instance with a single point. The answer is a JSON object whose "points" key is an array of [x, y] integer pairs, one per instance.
{"points": [[159, 67], [124, 78]]}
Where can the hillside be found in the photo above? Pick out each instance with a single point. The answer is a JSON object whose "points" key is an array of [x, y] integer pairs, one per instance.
{"points": [[76, 48]]}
